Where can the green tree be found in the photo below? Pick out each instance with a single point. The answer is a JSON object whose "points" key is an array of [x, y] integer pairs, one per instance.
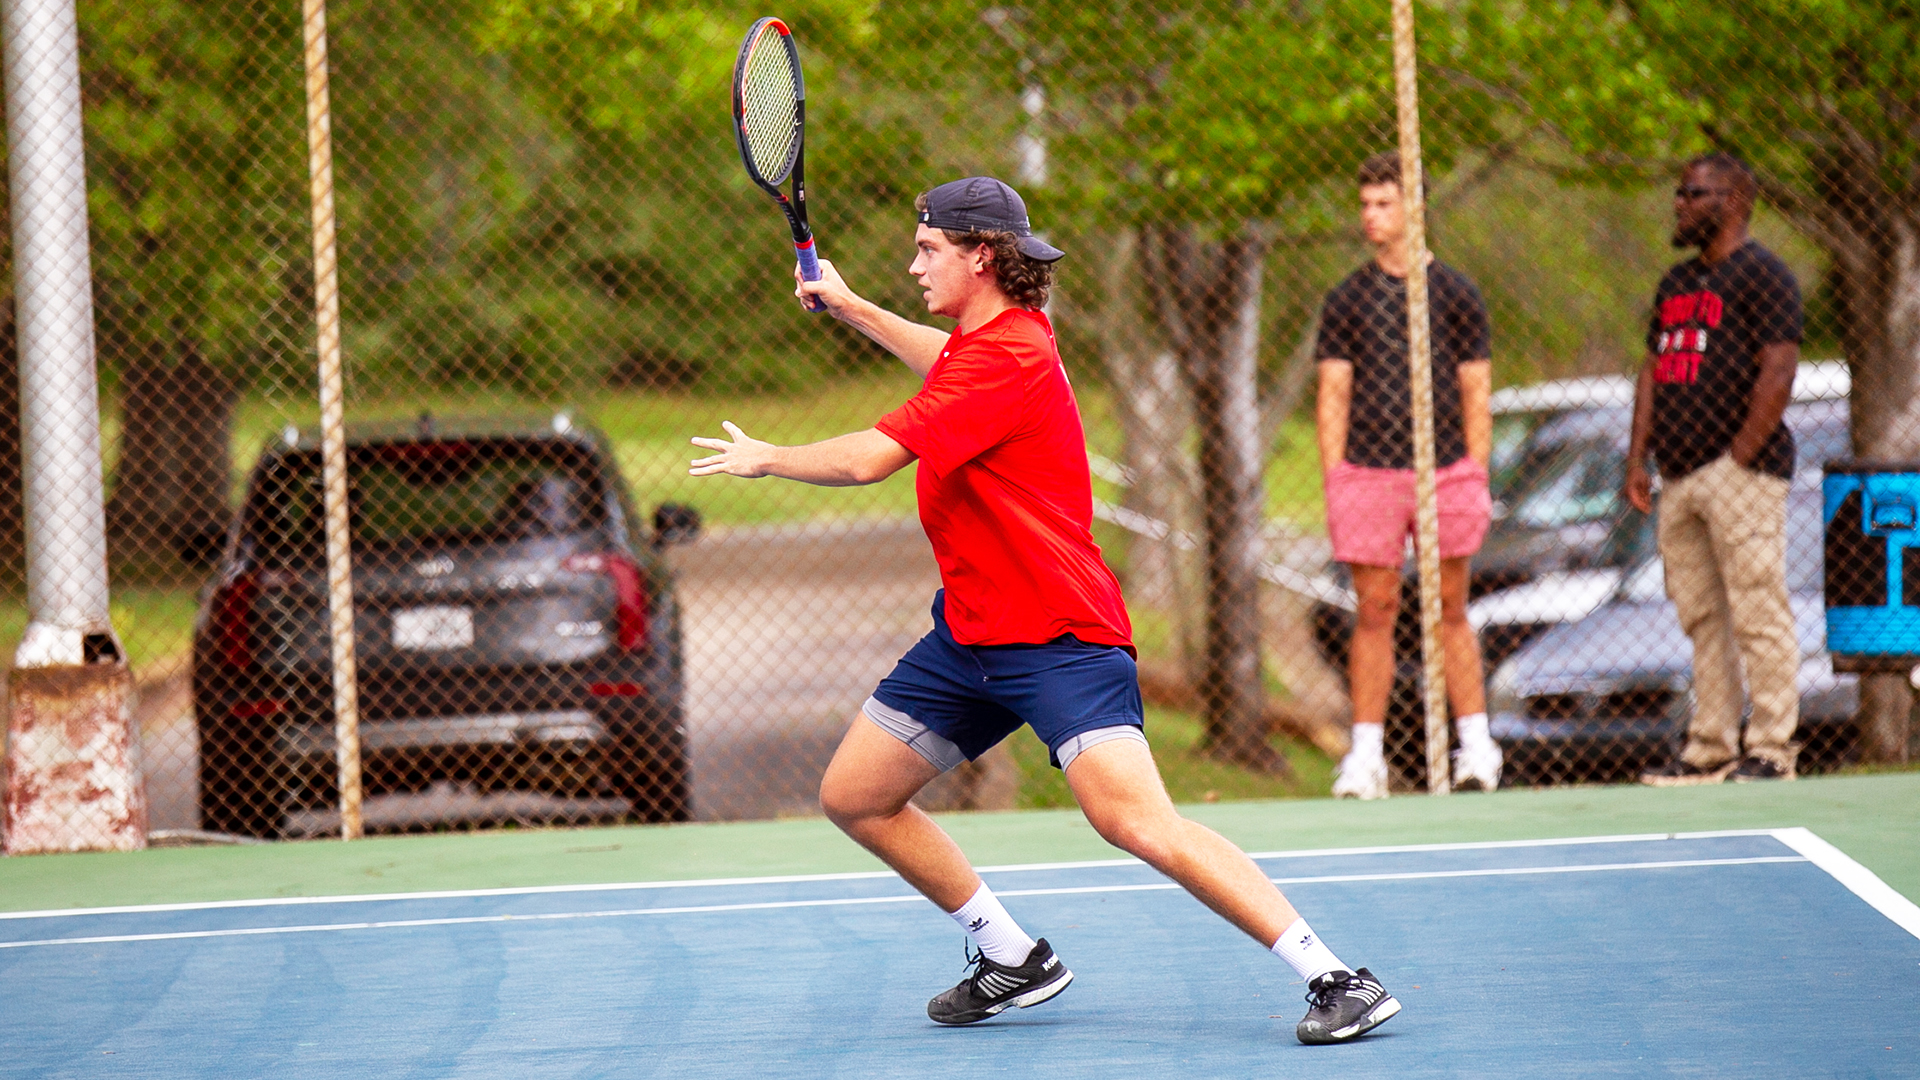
{"points": [[194, 151], [1215, 130]]}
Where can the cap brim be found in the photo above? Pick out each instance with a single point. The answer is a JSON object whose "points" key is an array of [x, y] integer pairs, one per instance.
{"points": [[1035, 248]]}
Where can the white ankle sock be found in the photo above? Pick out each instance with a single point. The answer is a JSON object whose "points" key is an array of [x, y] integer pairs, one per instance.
{"points": [[1473, 730], [993, 930], [1304, 952], [1368, 743]]}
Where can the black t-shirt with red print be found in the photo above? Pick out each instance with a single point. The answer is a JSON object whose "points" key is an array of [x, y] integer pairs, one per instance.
{"points": [[1709, 324]]}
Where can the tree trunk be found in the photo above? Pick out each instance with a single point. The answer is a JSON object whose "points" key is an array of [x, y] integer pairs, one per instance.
{"points": [[1154, 419], [1208, 296], [1875, 242], [171, 484]]}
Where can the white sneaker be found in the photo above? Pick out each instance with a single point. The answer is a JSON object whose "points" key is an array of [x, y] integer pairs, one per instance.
{"points": [[1477, 766], [1360, 779]]}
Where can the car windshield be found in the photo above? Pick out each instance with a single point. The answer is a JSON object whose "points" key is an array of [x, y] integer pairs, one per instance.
{"points": [[1569, 470], [432, 493], [1512, 433], [1572, 466]]}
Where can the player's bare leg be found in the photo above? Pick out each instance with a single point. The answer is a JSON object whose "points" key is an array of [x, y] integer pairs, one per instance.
{"points": [[867, 791], [1478, 762], [1362, 774], [1119, 789]]}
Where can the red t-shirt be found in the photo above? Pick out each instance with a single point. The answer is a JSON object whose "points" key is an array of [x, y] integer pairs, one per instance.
{"points": [[1004, 490]]}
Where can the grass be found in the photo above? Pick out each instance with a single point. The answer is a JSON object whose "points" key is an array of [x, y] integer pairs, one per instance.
{"points": [[1191, 776]]}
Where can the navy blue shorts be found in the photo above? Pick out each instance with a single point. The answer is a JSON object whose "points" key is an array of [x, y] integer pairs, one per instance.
{"points": [[976, 695]]}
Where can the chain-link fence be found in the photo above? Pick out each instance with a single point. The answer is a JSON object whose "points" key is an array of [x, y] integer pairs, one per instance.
{"points": [[553, 272]]}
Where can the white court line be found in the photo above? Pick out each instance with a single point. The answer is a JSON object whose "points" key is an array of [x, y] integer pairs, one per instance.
{"points": [[771, 905], [857, 875], [1858, 880]]}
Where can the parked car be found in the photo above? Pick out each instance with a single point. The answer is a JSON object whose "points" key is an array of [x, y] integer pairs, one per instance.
{"points": [[515, 626], [1605, 695], [1562, 539]]}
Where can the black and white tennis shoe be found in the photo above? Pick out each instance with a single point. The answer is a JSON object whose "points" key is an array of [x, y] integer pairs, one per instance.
{"points": [[1344, 1005], [991, 988]]}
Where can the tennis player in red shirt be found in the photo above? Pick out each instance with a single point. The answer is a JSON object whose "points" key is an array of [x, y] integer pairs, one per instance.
{"points": [[1029, 627]]}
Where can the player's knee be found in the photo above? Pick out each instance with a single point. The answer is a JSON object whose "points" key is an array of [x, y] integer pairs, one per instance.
{"points": [[1146, 836], [1372, 615], [844, 803]]}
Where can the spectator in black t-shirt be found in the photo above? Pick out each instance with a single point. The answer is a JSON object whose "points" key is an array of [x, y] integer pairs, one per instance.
{"points": [[1365, 416], [1722, 348]]}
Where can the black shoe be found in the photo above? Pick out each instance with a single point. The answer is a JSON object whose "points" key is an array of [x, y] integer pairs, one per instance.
{"points": [[1758, 768], [993, 988], [1344, 1005], [1677, 773]]}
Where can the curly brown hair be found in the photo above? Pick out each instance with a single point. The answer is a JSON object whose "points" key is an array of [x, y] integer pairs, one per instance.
{"points": [[1026, 281]]}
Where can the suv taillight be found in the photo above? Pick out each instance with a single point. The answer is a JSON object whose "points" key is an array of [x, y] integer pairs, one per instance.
{"points": [[232, 617], [630, 595]]}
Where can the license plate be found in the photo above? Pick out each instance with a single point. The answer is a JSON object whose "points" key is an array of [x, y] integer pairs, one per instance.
{"points": [[433, 629]]}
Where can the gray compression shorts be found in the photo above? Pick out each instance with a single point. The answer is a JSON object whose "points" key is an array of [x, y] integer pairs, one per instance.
{"points": [[943, 755]]}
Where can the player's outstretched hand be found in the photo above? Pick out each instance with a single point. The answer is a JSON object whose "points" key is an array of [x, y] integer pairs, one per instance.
{"points": [[830, 290], [743, 456]]}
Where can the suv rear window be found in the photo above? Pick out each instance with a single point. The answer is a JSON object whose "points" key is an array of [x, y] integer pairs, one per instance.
{"points": [[431, 493]]}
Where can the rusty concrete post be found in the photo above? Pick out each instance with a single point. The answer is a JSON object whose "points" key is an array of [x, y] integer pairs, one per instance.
{"points": [[73, 779]]}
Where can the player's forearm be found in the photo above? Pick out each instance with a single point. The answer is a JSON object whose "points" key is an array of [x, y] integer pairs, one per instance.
{"points": [[916, 345], [1476, 411], [1330, 414], [1642, 415], [1772, 389], [844, 461]]}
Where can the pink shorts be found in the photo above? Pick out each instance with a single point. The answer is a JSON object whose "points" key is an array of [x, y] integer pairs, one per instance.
{"points": [[1370, 511]]}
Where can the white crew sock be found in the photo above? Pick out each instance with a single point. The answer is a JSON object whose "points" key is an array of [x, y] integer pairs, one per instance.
{"points": [[1473, 730], [1304, 952], [1369, 741], [993, 930]]}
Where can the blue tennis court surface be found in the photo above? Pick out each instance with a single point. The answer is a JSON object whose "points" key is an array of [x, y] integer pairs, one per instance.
{"points": [[1723, 954]]}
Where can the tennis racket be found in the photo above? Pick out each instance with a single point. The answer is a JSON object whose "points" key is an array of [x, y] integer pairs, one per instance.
{"points": [[770, 123]]}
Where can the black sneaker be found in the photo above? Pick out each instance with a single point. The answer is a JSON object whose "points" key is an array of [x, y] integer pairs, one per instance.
{"points": [[1758, 768], [993, 988], [1677, 773], [1344, 1005]]}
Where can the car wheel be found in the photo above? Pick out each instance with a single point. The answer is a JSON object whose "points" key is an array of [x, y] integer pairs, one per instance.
{"points": [[649, 769], [238, 781]]}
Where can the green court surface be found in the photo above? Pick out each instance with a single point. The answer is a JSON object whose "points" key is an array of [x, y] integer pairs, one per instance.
{"points": [[1874, 818]]}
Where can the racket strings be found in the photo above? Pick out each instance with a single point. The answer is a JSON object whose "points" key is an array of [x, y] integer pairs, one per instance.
{"points": [[769, 113]]}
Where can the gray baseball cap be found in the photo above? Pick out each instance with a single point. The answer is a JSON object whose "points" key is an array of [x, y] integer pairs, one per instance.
{"points": [[980, 204]]}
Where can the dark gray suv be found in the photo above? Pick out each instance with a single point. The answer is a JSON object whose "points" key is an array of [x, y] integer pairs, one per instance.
{"points": [[516, 628]]}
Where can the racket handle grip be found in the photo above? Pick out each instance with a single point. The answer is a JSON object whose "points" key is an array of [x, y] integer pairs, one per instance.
{"points": [[809, 270]]}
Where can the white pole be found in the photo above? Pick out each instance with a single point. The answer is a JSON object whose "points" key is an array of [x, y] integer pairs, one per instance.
{"points": [[66, 528], [72, 759], [333, 444], [1420, 358]]}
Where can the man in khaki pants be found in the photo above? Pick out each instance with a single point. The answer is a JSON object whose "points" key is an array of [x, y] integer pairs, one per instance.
{"points": [[1722, 348]]}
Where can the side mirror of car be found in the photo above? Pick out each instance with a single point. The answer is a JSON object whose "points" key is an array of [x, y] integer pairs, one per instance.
{"points": [[675, 523]]}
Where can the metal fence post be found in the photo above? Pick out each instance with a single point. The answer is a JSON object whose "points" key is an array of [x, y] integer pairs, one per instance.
{"points": [[333, 454], [74, 782], [1420, 358]]}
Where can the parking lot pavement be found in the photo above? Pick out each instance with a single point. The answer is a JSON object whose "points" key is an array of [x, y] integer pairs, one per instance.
{"points": [[787, 629]]}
